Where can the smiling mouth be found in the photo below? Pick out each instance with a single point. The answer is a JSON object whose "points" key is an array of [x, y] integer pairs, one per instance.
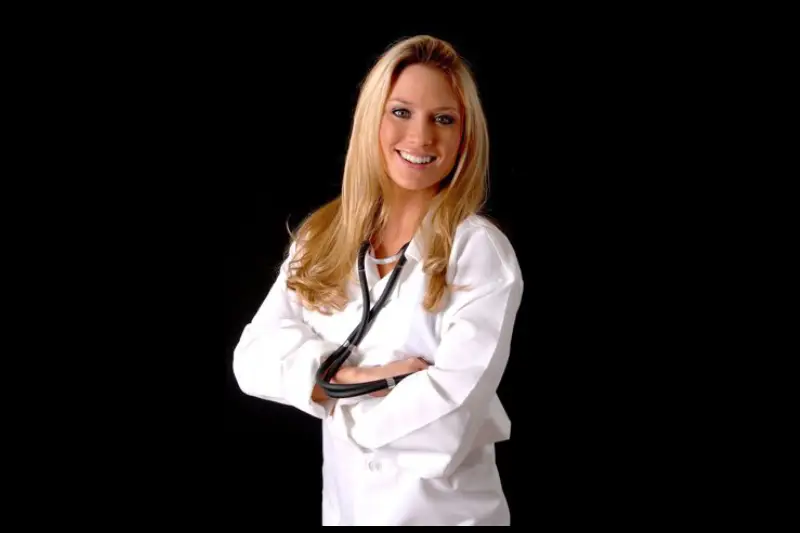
{"points": [[416, 160]]}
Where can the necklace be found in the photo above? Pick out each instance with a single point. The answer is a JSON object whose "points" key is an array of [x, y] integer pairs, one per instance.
{"points": [[386, 260]]}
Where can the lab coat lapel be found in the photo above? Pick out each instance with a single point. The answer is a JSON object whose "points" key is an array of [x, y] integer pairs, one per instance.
{"points": [[378, 284]]}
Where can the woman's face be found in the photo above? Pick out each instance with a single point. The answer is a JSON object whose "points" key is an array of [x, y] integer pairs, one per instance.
{"points": [[421, 128]]}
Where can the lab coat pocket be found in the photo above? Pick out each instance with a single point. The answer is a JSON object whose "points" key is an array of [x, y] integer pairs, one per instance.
{"points": [[473, 475]]}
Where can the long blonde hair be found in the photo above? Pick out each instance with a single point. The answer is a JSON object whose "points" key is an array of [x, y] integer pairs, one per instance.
{"points": [[327, 240]]}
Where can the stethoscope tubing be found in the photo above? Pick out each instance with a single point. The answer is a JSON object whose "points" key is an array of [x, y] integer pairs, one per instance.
{"points": [[335, 360]]}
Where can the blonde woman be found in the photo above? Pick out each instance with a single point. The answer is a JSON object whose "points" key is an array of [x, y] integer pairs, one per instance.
{"points": [[418, 447]]}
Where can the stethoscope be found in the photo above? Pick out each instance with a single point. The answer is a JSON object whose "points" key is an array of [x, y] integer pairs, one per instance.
{"points": [[334, 362]]}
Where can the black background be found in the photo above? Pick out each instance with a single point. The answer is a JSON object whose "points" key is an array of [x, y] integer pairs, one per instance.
{"points": [[618, 137], [584, 161]]}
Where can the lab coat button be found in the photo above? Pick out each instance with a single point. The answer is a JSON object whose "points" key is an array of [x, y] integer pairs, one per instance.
{"points": [[374, 466]]}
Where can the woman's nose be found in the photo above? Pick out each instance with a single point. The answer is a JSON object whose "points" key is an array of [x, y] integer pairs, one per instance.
{"points": [[421, 132]]}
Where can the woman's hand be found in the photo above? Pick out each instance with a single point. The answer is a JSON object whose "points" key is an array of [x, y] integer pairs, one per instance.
{"points": [[362, 374], [345, 376], [348, 375], [393, 369], [397, 368]]}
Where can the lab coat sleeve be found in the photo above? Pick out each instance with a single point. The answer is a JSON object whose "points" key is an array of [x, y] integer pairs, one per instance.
{"points": [[429, 421], [278, 354]]}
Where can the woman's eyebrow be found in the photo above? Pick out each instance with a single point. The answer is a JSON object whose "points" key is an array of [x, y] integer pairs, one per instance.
{"points": [[442, 108]]}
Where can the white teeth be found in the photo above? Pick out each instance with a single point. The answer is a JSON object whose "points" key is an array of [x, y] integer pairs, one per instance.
{"points": [[415, 159]]}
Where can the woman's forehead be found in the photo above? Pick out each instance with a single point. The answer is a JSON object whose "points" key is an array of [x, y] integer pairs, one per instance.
{"points": [[424, 86]]}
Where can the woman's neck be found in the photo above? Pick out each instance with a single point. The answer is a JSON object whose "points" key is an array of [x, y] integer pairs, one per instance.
{"points": [[406, 212]]}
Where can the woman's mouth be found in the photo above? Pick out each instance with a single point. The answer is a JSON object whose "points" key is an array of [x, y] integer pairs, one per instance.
{"points": [[414, 160]]}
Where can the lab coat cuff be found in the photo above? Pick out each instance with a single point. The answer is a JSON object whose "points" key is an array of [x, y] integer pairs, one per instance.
{"points": [[301, 377]]}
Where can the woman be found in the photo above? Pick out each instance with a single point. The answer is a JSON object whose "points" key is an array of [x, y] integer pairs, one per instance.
{"points": [[422, 452]]}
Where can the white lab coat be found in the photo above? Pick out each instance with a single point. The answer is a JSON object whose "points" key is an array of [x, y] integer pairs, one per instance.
{"points": [[423, 454]]}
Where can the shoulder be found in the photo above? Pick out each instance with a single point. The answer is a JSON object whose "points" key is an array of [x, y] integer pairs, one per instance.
{"points": [[481, 248]]}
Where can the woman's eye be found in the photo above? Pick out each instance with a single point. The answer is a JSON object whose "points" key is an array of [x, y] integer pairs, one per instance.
{"points": [[400, 113], [445, 119]]}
